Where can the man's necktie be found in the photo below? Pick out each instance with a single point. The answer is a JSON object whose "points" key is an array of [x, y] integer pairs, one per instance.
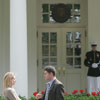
{"points": [[47, 91]]}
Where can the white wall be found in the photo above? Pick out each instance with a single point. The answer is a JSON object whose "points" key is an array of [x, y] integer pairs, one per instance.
{"points": [[94, 22], [5, 43], [32, 46], [4, 39]]}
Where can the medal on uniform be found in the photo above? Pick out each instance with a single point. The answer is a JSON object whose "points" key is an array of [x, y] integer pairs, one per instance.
{"points": [[97, 55]]}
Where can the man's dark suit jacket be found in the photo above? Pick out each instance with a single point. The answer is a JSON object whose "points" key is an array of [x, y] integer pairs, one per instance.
{"points": [[56, 91]]}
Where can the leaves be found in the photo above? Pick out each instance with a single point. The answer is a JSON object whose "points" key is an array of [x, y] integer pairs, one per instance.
{"points": [[80, 97], [76, 95]]}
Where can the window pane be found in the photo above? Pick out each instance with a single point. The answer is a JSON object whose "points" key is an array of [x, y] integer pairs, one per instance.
{"points": [[77, 37], [45, 18], [53, 62], [53, 50], [77, 62], [53, 37], [45, 62], [45, 8], [69, 62], [51, 20], [45, 37], [77, 18], [52, 6], [77, 49], [69, 50], [47, 13], [70, 19], [45, 50], [77, 8], [69, 37]]}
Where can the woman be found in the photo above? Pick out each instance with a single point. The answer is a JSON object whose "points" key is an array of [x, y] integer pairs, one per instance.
{"points": [[8, 81]]}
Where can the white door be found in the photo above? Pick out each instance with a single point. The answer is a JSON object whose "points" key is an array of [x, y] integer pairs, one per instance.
{"points": [[73, 50], [48, 51], [64, 49]]}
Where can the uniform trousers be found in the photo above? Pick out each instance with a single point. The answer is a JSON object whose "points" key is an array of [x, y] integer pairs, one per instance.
{"points": [[93, 84]]}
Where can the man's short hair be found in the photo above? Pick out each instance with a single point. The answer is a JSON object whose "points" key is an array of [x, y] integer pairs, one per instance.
{"points": [[50, 69]]}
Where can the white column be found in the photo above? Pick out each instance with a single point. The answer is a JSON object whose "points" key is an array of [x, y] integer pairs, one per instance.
{"points": [[18, 45], [94, 22]]}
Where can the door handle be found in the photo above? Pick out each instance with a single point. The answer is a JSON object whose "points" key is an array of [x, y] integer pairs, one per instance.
{"points": [[64, 70], [59, 69]]}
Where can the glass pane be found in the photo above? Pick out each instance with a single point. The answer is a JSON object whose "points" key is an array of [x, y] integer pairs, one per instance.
{"points": [[45, 8], [77, 13], [53, 37], [53, 50], [77, 51], [53, 62], [77, 37], [77, 62], [47, 12], [45, 18], [69, 5], [45, 50], [45, 37], [69, 62], [69, 50], [52, 6], [45, 62], [77, 8], [51, 20], [70, 19], [69, 37], [77, 18]]}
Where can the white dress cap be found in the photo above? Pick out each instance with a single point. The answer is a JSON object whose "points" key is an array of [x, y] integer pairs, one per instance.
{"points": [[94, 44]]}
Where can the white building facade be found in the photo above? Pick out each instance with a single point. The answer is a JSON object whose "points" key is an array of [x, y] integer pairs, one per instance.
{"points": [[30, 39]]}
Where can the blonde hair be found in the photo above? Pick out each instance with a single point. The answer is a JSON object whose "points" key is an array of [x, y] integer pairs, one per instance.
{"points": [[7, 81]]}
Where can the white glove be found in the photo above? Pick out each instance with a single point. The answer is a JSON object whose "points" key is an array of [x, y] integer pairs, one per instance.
{"points": [[94, 65]]}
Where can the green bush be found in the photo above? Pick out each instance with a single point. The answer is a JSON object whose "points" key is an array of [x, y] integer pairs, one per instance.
{"points": [[67, 97], [32, 98], [1, 98], [80, 97], [22, 98], [76, 95]]}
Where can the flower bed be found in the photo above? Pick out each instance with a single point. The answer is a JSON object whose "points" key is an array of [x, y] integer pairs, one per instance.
{"points": [[76, 95]]}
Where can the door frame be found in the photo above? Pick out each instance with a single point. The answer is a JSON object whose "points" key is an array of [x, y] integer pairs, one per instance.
{"points": [[59, 69]]}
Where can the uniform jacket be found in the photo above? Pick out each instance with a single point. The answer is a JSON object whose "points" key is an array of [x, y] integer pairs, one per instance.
{"points": [[92, 57]]}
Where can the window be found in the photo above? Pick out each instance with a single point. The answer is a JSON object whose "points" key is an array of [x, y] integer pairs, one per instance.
{"points": [[47, 11], [73, 49], [49, 48]]}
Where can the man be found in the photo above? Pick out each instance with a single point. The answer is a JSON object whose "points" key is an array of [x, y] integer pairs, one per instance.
{"points": [[92, 61], [55, 89]]}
